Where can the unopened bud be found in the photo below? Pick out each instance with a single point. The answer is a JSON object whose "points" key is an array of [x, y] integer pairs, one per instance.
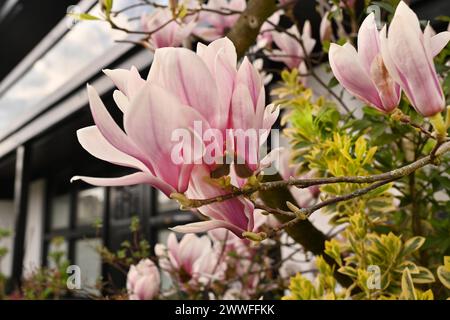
{"points": [[258, 237], [296, 210], [439, 126], [182, 200]]}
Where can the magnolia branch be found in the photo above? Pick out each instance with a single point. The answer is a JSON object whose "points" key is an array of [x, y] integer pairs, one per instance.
{"points": [[377, 181], [304, 213]]}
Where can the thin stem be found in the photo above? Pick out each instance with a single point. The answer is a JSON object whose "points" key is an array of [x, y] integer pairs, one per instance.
{"points": [[310, 210], [275, 211], [305, 183]]}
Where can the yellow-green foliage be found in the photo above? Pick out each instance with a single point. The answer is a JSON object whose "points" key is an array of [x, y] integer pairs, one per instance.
{"points": [[324, 286], [443, 272], [324, 145]]}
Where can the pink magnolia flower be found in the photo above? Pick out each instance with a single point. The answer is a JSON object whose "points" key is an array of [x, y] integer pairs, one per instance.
{"points": [[326, 30], [240, 259], [192, 260], [290, 51], [364, 73], [212, 26], [146, 144], [165, 33], [408, 55], [183, 89], [143, 280]]}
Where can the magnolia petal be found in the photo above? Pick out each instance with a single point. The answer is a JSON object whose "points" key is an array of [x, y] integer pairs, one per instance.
{"points": [[351, 75], [172, 244], [388, 90], [134, 82], [205, 226], [389, 62], [121, 100], [290, 51], [191, 248], [439, 42], [151, 126], [248, 76], [307, 30], [220, 57], [207, 33], [405, 13], [271, 113], [224, 47], [93, 142], [242, 109], [418, 70], [119, 77], [132, 179], [184, 74], [109, 128], [368, 41], [271, 157], [326, 31], [154, 130]]}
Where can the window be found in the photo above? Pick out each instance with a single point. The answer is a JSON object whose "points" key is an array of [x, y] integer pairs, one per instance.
{"points": [[60, 212], [89, 261], [90, 206], [71, 215]]}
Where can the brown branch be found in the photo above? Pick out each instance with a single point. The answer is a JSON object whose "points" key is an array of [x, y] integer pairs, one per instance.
{"points": [[244, 32], [305, 183], [310, 210], [275, 211]]}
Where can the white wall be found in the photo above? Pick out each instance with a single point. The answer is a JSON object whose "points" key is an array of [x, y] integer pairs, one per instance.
{"points": [[34, 232], [7, 222]]}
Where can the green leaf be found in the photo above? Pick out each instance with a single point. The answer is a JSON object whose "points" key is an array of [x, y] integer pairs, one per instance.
{"points": [[386, 6], [83, 16], [332, 249], [407, 265], [360, 148], [443, 272], [443, 18], [333, 83], [408, 292], [423, 276], [412, 245], [107, 6], [350, 271]]}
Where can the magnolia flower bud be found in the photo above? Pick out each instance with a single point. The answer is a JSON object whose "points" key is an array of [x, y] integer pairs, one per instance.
{"points": [[143, 280]]}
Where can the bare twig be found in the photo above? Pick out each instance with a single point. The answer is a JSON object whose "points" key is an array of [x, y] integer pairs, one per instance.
{"points": [[310, 210]]}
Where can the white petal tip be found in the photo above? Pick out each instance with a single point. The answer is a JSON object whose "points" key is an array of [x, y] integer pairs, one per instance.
{"points": [[75, 178]]}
